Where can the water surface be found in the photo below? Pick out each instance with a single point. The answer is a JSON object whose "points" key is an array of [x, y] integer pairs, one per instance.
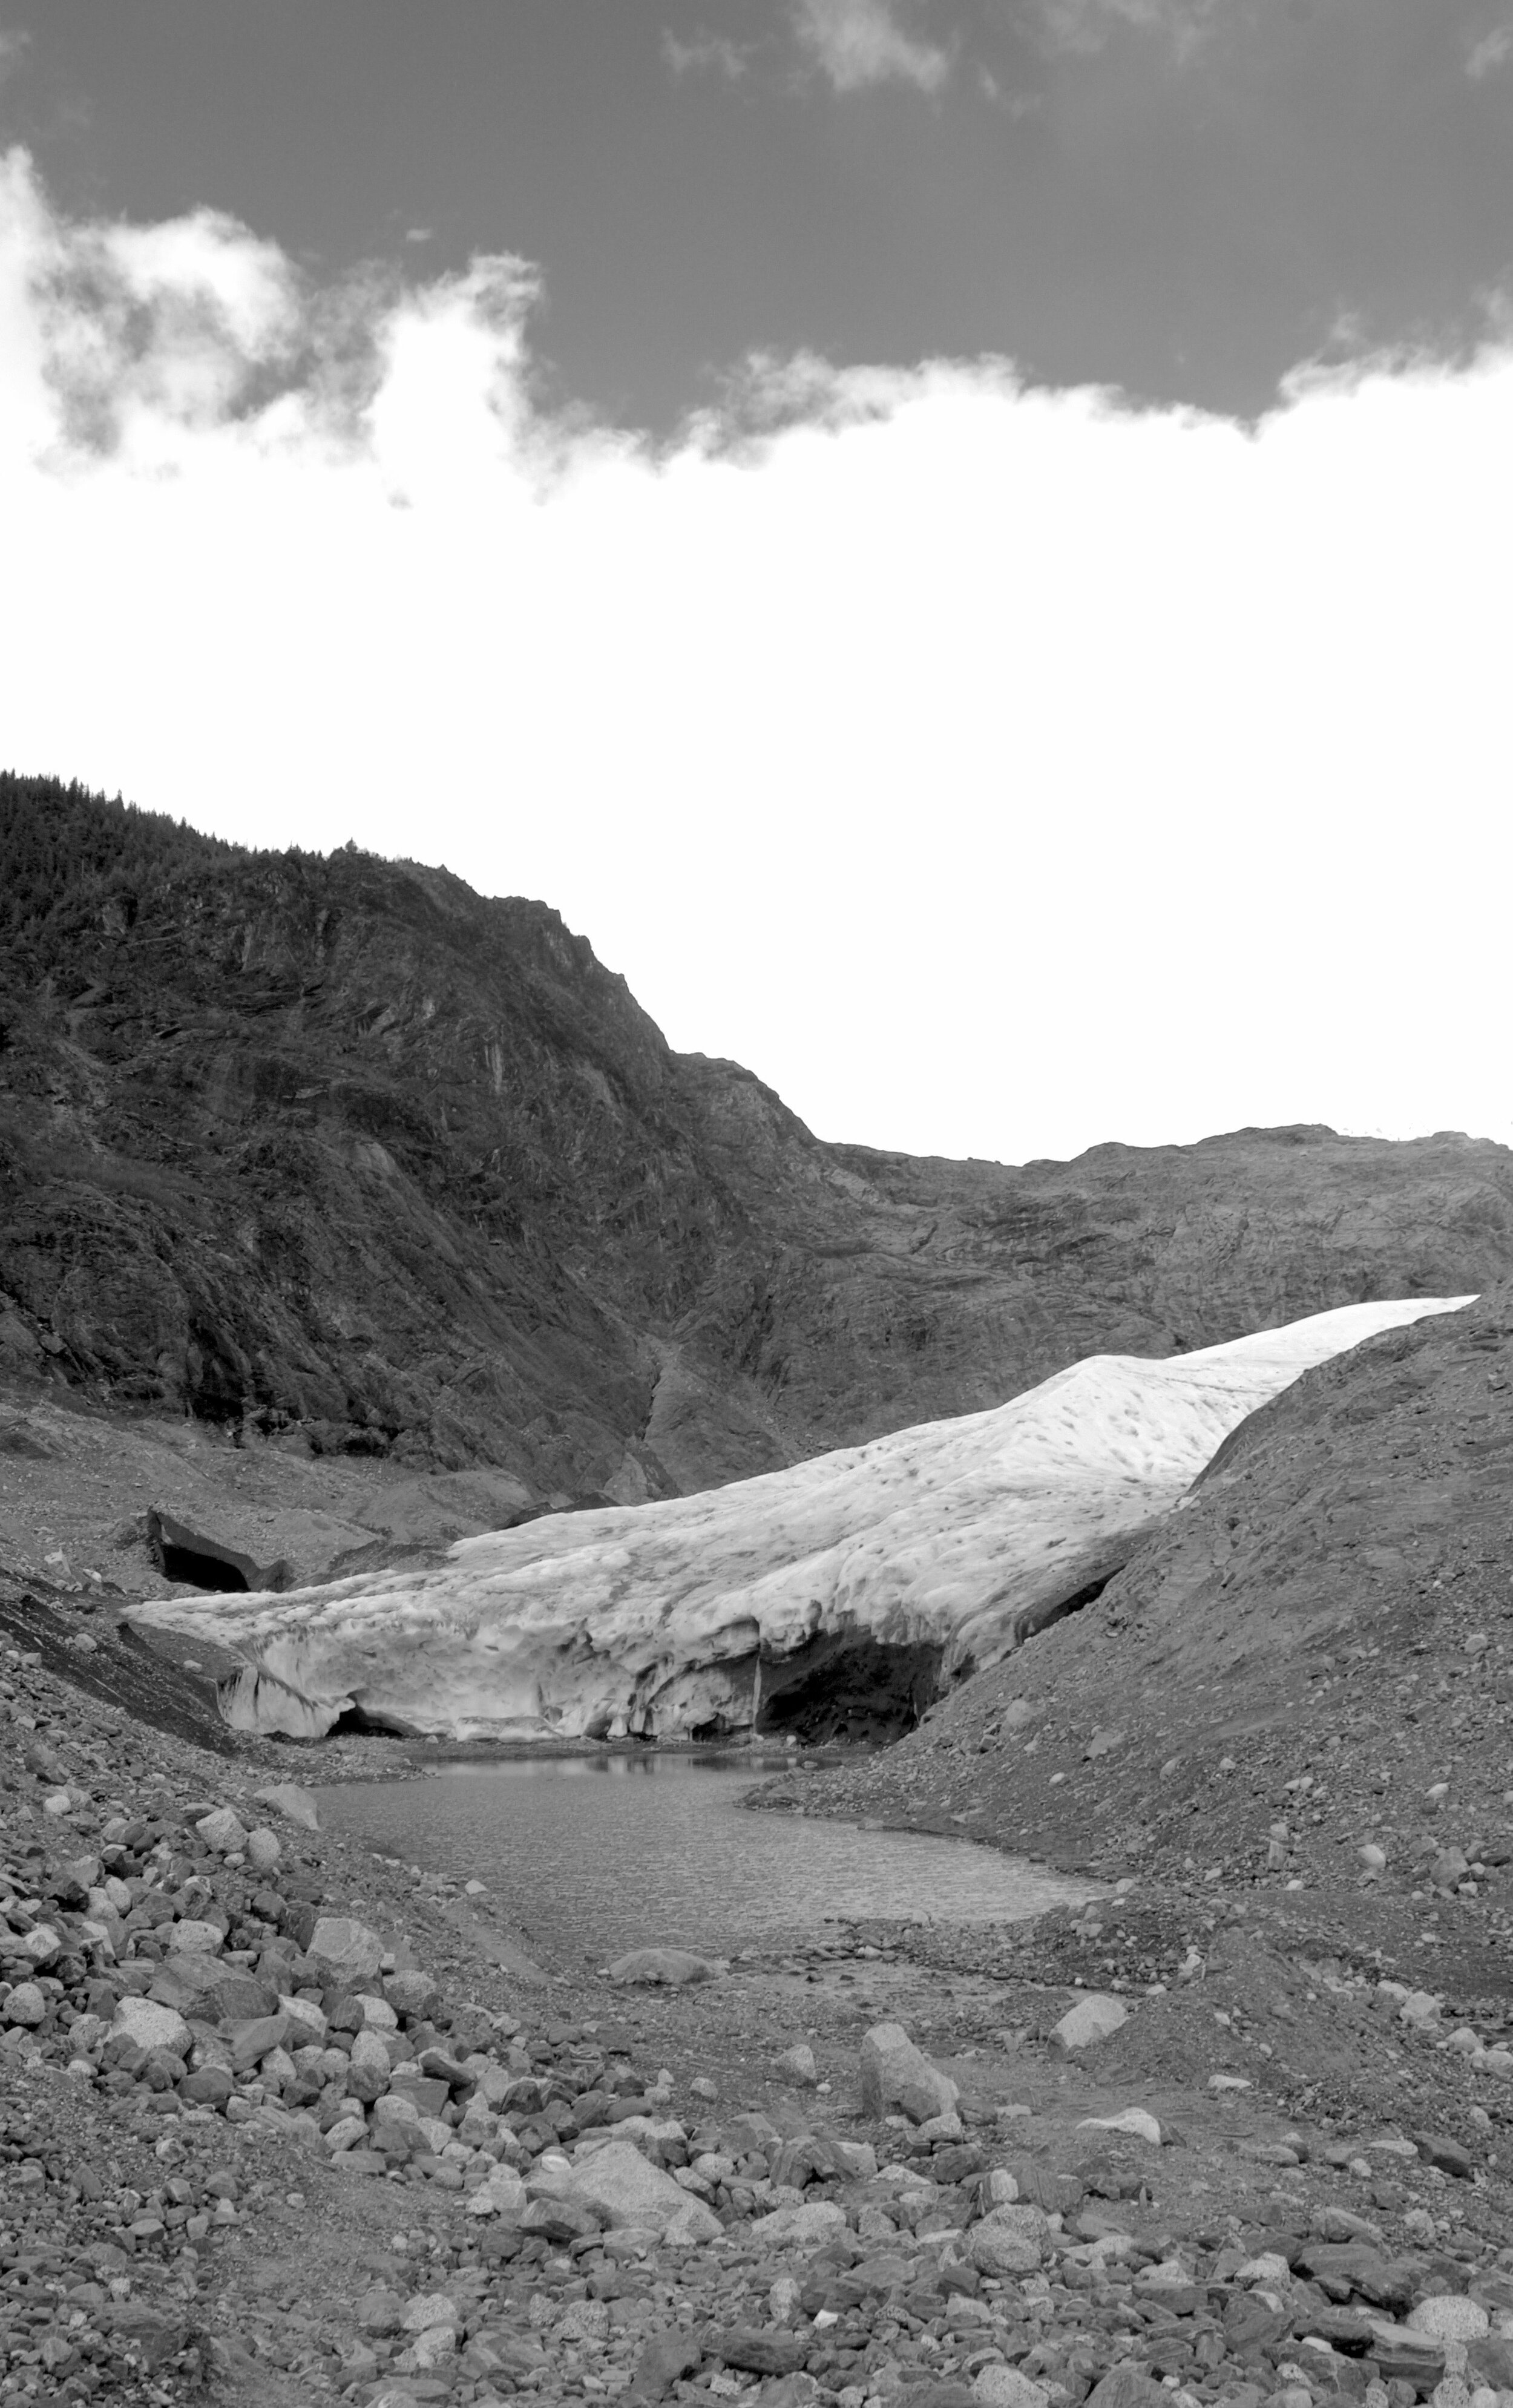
{"points": [[597, 1855]]}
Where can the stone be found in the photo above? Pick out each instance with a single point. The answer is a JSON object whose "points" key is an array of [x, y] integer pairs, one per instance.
{"points": [[1134, 2121], [295, 1804], [251, 2040], [1126, 2387], [263, 1849], [666, 2359], [367, 2068], [762, 2349], [806, 2226], [797, 2065], [1010, 2240], [1093, 2019], [1438, 2149], [623, 2185], [209, 1990], [892, 2066], [1004, 2386], [26, 2007], [349, 1951], [150, 2026], [196, 1939], [411, 1992], [663, 1967], [223, 1830], [208, 2085], [1449, 2316], [501, 2194]]}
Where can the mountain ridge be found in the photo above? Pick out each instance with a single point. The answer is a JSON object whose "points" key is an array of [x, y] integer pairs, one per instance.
{"points": [[335, 1151]]}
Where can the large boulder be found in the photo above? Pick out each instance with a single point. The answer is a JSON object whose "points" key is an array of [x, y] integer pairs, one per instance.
{"points": [[367, 2068], [624, 2187], [1094, 2018], [667, 1967], [895, 2073], [1010, 2240], [150, 2026], [297, 1805], [349, 1951], [210, 1990]]}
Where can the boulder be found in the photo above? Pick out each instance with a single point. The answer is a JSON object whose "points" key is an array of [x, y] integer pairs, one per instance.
{"points": [[367, 2068], [666, 1967], [1127, 2387], [809, 2227], [1449, 2316], [1093, 2018], [501, 2193], [626, 2188], [348, 1951], [150, 2026], [223, 1830], [297, 1805], [26, 2007], [1004, 2386], [411, 1992], [251, 2040], [195, 1937], [264, 1850], [1010, 2240], [797, 2065], [209, 1990], [895, 2073]]}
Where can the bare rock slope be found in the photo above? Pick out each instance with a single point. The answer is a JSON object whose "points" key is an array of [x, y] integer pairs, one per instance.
{"points": [[339, 1153], [852, 1582]]}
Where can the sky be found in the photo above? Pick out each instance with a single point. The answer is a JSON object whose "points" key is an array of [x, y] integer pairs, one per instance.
{"points": [[961, 543]]}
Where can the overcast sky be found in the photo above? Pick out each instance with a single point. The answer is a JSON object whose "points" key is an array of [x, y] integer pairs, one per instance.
{"points": [[963, 545]]}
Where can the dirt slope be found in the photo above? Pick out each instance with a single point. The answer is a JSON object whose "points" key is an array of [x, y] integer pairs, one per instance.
{"points": [[1313, 1645]]}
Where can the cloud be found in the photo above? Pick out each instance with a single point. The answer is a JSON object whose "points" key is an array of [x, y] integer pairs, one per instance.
{"points": [[705, 54], [994, 771], [1087, 25], [856, 43], [1492, 52], [13, 43]]}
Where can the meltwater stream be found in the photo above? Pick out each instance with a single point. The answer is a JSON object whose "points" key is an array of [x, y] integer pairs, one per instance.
{"points": [[597, 1855]]}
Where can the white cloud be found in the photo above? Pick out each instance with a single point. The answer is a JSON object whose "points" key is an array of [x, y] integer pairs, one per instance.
{"points": [[859, 42], [705, 54], [992, 770], [1492, 52], [1086, 25]]}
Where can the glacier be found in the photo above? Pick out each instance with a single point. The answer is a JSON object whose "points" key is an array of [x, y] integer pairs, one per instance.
{"points": [[848, 1589]]}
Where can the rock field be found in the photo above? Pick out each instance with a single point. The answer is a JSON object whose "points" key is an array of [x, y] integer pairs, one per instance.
{"points": [[276, 2125]]}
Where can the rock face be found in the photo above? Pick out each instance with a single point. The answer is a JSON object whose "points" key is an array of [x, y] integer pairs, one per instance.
{"points": [[819, 1592], [339, 1152]]}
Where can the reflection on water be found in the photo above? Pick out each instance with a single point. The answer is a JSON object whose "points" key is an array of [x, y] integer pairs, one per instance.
{"points": [[595, 1855]]}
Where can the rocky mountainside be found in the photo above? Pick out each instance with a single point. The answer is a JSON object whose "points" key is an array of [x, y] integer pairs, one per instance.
{"points": [[337, 1152], [1311, 1656]]}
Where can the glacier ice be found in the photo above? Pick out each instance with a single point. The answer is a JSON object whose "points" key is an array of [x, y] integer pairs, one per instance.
{"points": [[935, 1549]]}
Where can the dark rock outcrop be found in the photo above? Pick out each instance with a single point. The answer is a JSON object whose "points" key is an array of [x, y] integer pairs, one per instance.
{"points": [[338, 1149]]}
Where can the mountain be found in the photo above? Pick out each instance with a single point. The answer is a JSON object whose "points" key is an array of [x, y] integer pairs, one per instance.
{"points": [[336, 1153], [837, 1596]]}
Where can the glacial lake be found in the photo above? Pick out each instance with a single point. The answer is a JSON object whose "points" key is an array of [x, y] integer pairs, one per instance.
{"points": [[592, 1856]]}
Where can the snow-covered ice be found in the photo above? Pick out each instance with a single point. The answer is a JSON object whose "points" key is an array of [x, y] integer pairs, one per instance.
{"points": [[665, 1618]]}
